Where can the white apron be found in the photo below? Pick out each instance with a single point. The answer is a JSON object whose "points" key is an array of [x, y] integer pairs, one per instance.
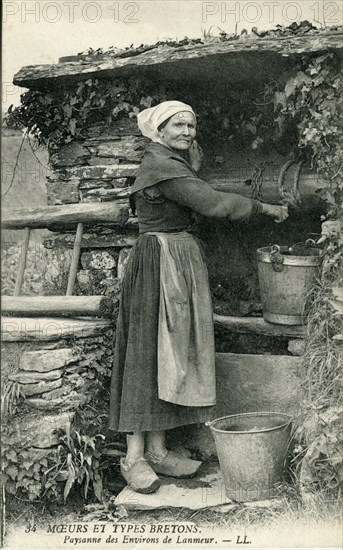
{"points": [[186, 367]]}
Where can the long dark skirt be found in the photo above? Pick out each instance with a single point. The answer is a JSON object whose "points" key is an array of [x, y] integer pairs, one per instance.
{"points": [[134, 403]]}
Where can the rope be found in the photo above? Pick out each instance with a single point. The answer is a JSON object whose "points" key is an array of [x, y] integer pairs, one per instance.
{"points": [[257, 181]]}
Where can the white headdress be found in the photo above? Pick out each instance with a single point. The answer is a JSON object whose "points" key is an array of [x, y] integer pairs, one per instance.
{"points": [[150, 119]]}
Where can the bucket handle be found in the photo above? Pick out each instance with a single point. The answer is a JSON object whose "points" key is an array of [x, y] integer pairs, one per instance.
{"points": [[276, 258]]}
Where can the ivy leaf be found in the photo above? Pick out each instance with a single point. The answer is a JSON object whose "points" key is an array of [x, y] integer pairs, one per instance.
{"points": [[298, 80], [280, 99], [146, 101], [12, 472], [322, 58], [27, 464], [12, 456], [67, 109], [72, 126], [11, 487], [36, 467]]}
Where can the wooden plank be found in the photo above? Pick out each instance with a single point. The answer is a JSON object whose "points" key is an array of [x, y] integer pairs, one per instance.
{"points": [[71, 306], [39, 75], [22, 262], [33, 329], [75, 259], [257, 325], [68, 214]]}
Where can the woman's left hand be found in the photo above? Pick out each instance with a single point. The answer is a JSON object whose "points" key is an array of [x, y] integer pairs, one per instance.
{"points": [[196, 155], [279, 213]]}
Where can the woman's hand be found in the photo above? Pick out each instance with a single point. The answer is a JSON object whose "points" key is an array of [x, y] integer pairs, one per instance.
{"points": [[196, 155], [279, 213]]}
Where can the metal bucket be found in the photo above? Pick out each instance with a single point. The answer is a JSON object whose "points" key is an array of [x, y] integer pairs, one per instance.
{"points": [[285, 276], [252, 450]]}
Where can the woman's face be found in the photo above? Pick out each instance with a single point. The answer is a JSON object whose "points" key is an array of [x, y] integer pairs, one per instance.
{"points": [[179, 132]]}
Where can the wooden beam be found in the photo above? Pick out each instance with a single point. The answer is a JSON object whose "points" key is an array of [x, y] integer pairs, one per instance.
{"points": [[65, 215], [22, 262], [308, 184], [257, 325], [75, 259], [28, 329], [71, 306]]}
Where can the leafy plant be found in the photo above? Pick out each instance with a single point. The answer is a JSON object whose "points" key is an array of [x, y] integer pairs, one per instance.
{"points": [[10, 399], [320, 458], [23, 470], [77, 464]]}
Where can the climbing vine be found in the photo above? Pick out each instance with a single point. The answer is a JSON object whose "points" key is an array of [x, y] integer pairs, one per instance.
{"points": [[60, 116], [313, 98]]}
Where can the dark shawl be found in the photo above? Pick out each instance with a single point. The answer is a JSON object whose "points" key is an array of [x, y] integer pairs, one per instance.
{"points": [[159, 164]]}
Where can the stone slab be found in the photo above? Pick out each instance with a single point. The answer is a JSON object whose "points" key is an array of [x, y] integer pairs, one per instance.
{"points": [[92, 240], [39, 430], [28, 329], [68, 402], [297, 347], [30, 377], [69, 154], [62, 192], [205, 491], [44, 361], [198, 57], [40, 387], [99, 172]]}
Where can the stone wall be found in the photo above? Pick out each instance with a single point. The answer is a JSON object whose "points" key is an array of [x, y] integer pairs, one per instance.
{"points": [[99, 169], [60, 370]]}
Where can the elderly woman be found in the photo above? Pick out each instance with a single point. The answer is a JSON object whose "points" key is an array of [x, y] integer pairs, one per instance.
{"points": [[164, 373]]}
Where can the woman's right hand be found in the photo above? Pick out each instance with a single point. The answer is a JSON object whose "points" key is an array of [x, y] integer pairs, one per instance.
{"points": [[279, 213]]}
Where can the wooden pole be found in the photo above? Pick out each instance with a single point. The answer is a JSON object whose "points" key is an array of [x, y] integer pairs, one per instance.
{"points": [[67, 306], [113, 213], [75, 259], [22, 262]]}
